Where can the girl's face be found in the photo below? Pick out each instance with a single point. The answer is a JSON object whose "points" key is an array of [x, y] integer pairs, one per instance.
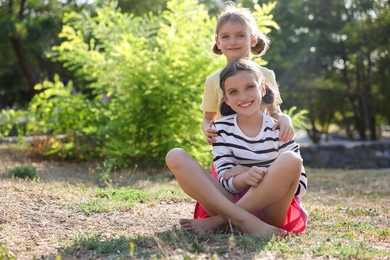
{"points": [[234, 41], [243, 93]]}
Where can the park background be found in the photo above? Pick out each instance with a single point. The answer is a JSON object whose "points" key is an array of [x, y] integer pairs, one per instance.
{"points": [[122, 81], [102, 90]]}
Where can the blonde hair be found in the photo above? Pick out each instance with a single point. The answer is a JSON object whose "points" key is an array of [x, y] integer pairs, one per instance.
{"points": [[244, 17]]}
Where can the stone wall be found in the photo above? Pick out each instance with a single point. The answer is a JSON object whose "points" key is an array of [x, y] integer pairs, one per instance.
{"points": [[344, 155], [359, 155]]}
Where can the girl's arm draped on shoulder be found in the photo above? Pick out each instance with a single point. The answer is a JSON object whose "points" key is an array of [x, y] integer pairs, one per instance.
{"points": [[208, 120], [270, 80], [274, 110], [283, 123], [210, 105], [211, 95]]}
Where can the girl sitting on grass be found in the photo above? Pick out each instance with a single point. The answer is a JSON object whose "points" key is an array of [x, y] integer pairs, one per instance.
{"points": [[264, 199]]}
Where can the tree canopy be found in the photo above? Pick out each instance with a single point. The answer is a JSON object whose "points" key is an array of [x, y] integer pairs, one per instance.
{"points": [[330, 58], [124, 79]]}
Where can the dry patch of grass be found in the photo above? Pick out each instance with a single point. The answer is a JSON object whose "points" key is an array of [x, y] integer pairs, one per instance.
{"points": [[67, 213]]}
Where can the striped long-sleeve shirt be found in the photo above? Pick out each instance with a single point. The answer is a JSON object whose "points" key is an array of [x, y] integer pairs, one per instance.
{"points": [[233, 147]]}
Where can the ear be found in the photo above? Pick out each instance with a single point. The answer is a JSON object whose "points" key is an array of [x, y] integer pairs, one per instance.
{"points": [[253, 41], [217, 41], [225, 99], [262, 89]]}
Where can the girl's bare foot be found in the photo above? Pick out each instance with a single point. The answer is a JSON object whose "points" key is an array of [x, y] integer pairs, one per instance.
{"points": [[253, 225], [202, 225]]}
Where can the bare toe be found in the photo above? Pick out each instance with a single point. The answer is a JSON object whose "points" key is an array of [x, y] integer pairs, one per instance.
{"points": [[186, 224], [280, 233], [184, 221]]}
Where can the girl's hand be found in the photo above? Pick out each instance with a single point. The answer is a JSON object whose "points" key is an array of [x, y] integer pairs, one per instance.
{"points": [[207, 123], [255, 175], [285, 126], [211, 134], [236, 170]]}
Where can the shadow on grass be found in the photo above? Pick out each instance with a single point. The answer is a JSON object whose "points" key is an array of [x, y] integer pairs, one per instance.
{"points": [[168, 244], [223, 244], [96, 246]]}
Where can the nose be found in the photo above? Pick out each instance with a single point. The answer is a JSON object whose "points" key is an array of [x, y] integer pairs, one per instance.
{"points": [[242, 95], [233, 40]]}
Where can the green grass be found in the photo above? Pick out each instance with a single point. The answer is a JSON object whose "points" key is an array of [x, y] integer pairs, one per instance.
{"points": [[341, 244], [96, 245], [111, 199], [349, 218]]}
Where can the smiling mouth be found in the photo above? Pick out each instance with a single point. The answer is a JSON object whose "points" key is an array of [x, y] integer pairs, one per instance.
{"points": [[245, 105]]}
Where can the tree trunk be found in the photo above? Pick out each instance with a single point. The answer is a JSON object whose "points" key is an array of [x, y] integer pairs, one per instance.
{"points": [[370, 104], [313, 133], [23, 61], [20, 54], [361, 95]]}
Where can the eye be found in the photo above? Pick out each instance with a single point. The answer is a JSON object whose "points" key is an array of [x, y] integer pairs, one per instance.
{"points": [[232, 92], [251, 86]]}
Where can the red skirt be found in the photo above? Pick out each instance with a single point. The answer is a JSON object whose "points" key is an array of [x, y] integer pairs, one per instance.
{"points": [[295, 221]]}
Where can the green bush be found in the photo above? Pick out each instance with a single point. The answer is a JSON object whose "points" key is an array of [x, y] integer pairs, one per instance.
{"points": [[299, 118], [145, 78], [23, 172]]}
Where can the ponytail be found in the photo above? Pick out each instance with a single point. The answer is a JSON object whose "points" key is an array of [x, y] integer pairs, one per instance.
{"points": [[216, 50], [225, 109], [269, 96], [261, 46]]}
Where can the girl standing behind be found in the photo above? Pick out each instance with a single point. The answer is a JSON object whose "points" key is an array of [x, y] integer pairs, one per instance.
{"points": [[236, 35]]}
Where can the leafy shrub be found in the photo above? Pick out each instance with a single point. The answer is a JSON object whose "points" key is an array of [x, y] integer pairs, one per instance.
{"points": [[144, 82], [24, 172], [299, 118]]}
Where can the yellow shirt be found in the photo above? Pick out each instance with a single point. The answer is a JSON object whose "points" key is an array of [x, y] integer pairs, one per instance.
{"points": [[212, 96]]}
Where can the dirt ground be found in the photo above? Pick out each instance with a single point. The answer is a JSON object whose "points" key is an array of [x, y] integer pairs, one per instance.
{"points": [[34, 222], [38, 218]]}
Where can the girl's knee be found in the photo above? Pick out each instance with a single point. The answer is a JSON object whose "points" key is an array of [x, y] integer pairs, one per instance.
{"points": [[175, 157], [292, 158]]}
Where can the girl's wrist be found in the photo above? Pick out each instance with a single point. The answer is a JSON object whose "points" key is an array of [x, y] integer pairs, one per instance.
{"points": [[276, 115]]}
